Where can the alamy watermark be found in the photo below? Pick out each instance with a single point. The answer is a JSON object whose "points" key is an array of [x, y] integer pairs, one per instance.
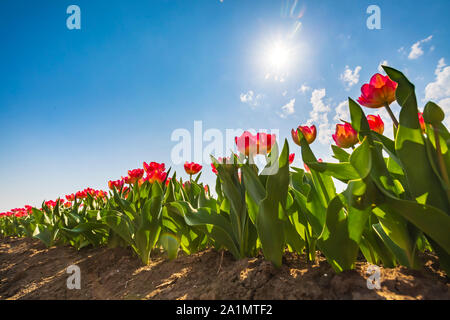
{"points": [[198, 146], [373, 281], [74, 280], [74, 20], [374, 20]]}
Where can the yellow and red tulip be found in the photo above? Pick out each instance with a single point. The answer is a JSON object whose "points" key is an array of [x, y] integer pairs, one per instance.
{"points": [[192, 168], [345, 136], [375, 123], [309, 133], [380, 92], [134, 176], [422, 122]]}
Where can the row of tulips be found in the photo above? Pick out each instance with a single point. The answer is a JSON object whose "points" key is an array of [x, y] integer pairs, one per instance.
{"points": [[396, 202]]}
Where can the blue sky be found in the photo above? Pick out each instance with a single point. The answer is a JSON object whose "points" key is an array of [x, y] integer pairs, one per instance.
{"points": [[80, 107]]}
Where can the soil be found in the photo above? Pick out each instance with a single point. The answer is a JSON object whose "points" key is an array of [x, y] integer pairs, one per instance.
{"points": [[28, 270]]}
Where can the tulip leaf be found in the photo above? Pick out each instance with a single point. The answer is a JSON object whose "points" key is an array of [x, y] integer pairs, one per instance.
{"points": [[410, 146]]}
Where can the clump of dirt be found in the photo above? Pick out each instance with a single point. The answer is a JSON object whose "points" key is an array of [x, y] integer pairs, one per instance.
{"points": [[28, 270]]}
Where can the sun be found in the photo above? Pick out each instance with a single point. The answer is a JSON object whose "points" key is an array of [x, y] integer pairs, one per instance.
{"points": [[278, 57]]}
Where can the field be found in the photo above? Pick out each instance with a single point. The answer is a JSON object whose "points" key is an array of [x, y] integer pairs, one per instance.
{"points": [[28, 270], [277, 232]]}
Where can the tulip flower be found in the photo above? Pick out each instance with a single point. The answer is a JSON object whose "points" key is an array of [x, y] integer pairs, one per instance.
{"points": [[214, 169], [375, 123], [118, 184], [422, 123], [345, 136], [380, 92], [81, 194], [70, 197], [309, 133], [291, 158], [156, 175], [192, 168], [265, 142], [152, 166], [101, 194], [247, 144], [134, 176]]}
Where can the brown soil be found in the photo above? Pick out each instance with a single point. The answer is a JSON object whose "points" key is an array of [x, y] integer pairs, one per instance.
{"points": [[30, 271]]}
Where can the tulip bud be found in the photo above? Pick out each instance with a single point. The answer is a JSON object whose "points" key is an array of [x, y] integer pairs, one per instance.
{"points": [[309, 133], [433, 114], [345, 136], [375, 123]]}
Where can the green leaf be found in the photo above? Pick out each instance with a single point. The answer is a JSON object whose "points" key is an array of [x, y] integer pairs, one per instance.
{"points": [[119, 223], [361, 159]]}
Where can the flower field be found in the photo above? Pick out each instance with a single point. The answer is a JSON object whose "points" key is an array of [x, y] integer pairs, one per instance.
{"points": [[395, 204]]}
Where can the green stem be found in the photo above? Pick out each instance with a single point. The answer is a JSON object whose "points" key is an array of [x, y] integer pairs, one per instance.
{"points": [[138, 195], [391, 114], [441, 162]]}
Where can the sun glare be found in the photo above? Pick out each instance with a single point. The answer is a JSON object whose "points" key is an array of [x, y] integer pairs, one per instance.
{"points": [[278, 56]]}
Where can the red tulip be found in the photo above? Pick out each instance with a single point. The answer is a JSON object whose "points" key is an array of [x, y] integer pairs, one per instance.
{"points": [[68, 204], [309, 133], [380, 92], [291, 158], [247, 143], [345, 136], [118, 184], [192, 168], [375, 123], [134, 176], [70, 197], [81, 194], [422, 122], [152, 166], [214, 169], [156, 175], [265, 142], [50, 204], [206, 188], [101, 194]]}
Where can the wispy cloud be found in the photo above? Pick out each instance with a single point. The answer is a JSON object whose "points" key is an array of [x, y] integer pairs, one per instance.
{"points": [[342, 112], [288, 108], [439, 89], [319, 115], [416, 49], [304, 88], [382, 63], [250, 98], [350, 77]]}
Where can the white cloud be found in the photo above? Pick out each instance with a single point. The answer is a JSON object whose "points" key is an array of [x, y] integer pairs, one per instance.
{"points": [[319, 116], [440, 88], [342, 112], [288, 108], [416, 49], [350, 77], [445, 105], [250, 98], [382, 63], [304, 88], [284, 93]]}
